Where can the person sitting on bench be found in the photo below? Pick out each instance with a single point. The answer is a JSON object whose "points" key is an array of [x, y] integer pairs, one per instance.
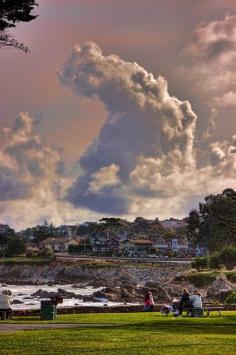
{"points": [[196, 299], [5, 305], [185, 301]]}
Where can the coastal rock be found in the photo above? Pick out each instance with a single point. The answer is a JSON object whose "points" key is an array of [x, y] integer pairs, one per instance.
{"points": [[17, 302], [43, 294], [159, 292], [50, 283], [220, 288], [89, 298], [66, 294]]}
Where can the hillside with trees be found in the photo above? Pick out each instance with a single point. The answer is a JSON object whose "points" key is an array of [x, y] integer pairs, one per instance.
{"points": [[214, 223]]}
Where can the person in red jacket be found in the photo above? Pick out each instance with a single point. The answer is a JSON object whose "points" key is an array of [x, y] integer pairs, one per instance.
{"points": [[148, 302]]}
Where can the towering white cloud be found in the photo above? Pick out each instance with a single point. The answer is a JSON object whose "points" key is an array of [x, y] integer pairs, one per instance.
{"points": [[209, 66], [144, 161], [142, 120]]}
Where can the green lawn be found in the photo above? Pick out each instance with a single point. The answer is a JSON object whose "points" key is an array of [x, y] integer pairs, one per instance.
{"points": [[132, 333], [24, 260]]}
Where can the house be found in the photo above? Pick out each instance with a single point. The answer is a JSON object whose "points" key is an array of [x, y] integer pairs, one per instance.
{"points": [[60, 244], [65, 230], [138, 247], [105, 245], [173, 223], [178, 245], [4, 228], [161, 245]]}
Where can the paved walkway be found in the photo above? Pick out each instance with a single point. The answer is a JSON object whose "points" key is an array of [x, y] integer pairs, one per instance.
{"points": [[16, 327]]}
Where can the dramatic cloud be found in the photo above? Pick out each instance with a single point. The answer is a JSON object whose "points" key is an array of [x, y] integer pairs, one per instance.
{"points": [[227, 100], [143, 162], [103, 178], [144, 159], [209, 60], [33, 179]]}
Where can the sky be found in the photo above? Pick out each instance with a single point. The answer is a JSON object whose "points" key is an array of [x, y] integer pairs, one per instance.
{"points": [[119, 109]]}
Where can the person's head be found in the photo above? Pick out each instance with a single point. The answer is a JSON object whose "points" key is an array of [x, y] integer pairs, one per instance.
{"points": [[6, 292], [196, 292], [185, 291]]}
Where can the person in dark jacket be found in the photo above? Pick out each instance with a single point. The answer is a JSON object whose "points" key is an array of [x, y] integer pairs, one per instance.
{"points": [[185, 301]]}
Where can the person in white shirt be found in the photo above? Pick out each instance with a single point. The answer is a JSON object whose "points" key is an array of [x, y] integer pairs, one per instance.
{"points": [[196, 299], [5, 304]]}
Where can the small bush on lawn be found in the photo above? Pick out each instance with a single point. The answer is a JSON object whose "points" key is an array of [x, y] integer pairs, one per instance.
{"points": [[231, 299]]}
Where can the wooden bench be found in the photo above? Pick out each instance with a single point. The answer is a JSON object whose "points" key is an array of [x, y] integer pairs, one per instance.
{"points": [[209, 309], [194, 311], [199, 312]]}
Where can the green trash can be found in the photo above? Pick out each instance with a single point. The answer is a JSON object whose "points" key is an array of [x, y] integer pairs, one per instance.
{"points": [[48, 310]]}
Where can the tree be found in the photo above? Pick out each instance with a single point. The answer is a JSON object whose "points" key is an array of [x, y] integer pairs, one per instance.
{"points": [[200, 263], [41, 233], [15, 247], [112, 224], [12, 12], [227, 257], [214, 225], [214, 262]]}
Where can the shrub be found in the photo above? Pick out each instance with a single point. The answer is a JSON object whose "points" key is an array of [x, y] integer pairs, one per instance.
{"points": [[170, 253], [15, 247], [215, 262], [45, 253], [201, 279], [228, 257], [231, 299], [200, 263], [231, 277]]}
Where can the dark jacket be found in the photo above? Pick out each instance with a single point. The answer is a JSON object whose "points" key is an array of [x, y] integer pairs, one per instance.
{"points": [[185, 300]]}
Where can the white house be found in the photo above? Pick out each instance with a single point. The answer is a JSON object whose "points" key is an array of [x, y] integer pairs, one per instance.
{"points": [[58, 244]]}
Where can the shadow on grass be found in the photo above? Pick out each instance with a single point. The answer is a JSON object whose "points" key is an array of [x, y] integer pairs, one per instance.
{"points": [[182, 327]]}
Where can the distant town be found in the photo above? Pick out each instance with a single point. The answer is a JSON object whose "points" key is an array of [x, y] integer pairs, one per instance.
{"points": [[107, 237]]}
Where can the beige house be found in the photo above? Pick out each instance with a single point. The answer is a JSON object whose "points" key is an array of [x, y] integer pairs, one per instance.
{"points": [[58, 244]]}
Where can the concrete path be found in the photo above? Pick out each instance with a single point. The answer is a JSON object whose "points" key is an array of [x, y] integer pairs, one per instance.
{"points": [[16, 327]]}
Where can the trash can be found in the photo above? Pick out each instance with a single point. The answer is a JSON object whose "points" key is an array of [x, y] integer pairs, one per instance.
{"points": [[48, 310]]}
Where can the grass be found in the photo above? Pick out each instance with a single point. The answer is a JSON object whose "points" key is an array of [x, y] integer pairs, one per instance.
{"points": [[131, 333], [24, 260]]}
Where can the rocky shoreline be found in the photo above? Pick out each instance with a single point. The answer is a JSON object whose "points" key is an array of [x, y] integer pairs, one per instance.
{"points": [[102, 275], [116, 283]]}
